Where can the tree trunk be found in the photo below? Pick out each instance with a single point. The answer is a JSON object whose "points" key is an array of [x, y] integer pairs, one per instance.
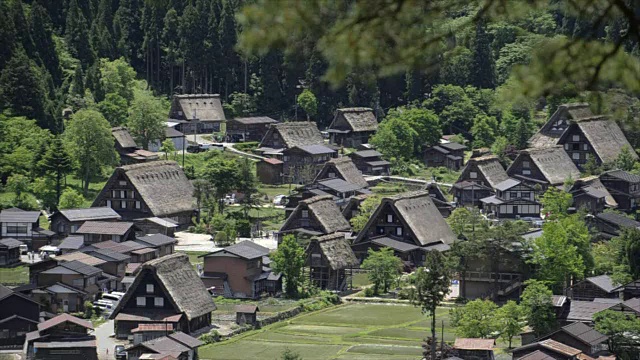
{"points": [[433, 334], [86, 182], [58, 186]]}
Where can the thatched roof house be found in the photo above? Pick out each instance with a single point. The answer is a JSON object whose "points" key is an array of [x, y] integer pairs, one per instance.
{"points": [[159, 189], [335, 248], [485, 170], [549, 134], [602, 136], [123, 138], [410, 223], [173, 279], [595, 183], [318, 215], [546, 166], [344, 169], [353, 126], [290, 134]]}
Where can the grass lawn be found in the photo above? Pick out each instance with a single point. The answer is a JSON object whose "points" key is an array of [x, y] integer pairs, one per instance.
{"points": [[365, 315], [15, 275], [360, 280], [272, 190]]}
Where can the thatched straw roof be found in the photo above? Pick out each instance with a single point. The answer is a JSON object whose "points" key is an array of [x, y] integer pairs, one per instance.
{"points": [[337, 250], [420, 216], [594, 182], [204, 107], [162, 185], [296, 133], [604, 135], [489, 166], [343, 168], [357, 118], [324, 210], [553, 162], [123, 137], [181, 283], [554, 127]]}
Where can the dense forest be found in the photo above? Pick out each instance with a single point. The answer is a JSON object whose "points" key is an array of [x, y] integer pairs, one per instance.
{"points": [[117, 62]]}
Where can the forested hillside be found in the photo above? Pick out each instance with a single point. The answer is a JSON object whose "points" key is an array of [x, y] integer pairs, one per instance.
{"points": [[457, 68]]}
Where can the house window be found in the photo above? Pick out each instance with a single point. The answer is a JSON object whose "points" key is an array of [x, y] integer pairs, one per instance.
{"points": [[305, 213], [158, 301], [91, 281], [332, 175], [79, 283], [122, 183], [575, 138], [17, 229], [123, 204], [123, 194], [141, 301], [137, 204], [566, 146], [585, 146], [525, 164], [525, 195], [286, 158], [513, 195], [389, 218], [149, 288], [399, 231], [108, 203], [115, 238], [114, 194], [473, 175], [132, 194], [526, 172], [575, 156]]}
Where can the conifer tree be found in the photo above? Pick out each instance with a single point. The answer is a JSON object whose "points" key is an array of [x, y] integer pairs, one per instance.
{"points": [[7, 35], [76, 31], [23, 35], [57, 163], [42, 34], [483, 74], [228, 39]]}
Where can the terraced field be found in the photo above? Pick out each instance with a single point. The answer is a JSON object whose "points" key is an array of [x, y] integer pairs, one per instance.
{"points": [[348, 332]]}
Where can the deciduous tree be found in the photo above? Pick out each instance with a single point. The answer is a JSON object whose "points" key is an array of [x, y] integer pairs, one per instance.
{"points": [[476, 319], [510, 321], [70, 199], [538, 308], [308, 102], [146, 118], [289, 260], [383, 267]]}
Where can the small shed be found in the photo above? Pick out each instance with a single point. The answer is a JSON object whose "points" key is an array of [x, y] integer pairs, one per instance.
{"points": [[10, 252], [247, 314], [270, 171]]}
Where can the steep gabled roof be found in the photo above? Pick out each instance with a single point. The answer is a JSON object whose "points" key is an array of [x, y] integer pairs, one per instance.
{"points": [[618, 220], [296, 133], [420, 215], [595, 183], [337, 250], [123, 137], [326, 212], [345, 168], [553, 162], [204, 107], [181, 283], [358, 118], [162, 185], [490, 168], [244, 249], [548, 135], [94, 213], [604, 135], [253, 120]]}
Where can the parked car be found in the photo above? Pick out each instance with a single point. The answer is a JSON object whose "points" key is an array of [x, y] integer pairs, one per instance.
{"points": [[24, 249], [119, 353], [230, 199], [111, 297], [280, 200]]}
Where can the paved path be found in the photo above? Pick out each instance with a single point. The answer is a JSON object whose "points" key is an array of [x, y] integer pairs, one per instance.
{"points": [[105, 342]]}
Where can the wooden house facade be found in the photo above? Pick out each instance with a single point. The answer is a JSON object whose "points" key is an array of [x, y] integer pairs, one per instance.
{"points": [[601, 286], [370, 162], [608, 225], [302, 163], [545, 167], [99, 231], [352, 127], [282, 136], [10, 252], [127, 148], [24, 226], [240, 271], [410, 224], [315, 216], [448, 154], [157, 189], [597, 137], [553, 129], [62, 337], [330, 261], [581, 336], [248, 128], [270, 171], [513, 200], [591, 195], [198, 113], [166, 290], [624, 187], [19, 315], [67, 222], [485, 171]]}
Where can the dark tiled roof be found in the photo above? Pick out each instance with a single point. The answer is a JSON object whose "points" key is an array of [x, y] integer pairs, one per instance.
{"points": [[367, 153], [185, 339], [110, 255], [619, 220], [339, 185], [170, 132], [245, 249], [10, 243], [15, 215], [123, 137], [105, 227], [72, 242], [5, 291], [584, 310], [81, 257], [394, 244], [585, 333], [65, 344], [604, 282], [623, 175], [81, 268], [157, 240], [95, 213], [316, 149], [246, 309], [507, 184], [537, 355], [453, 146], [255, 120]]}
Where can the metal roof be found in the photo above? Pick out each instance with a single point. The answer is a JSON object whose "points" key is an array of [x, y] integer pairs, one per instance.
{"points": [[584, 310], [585, 333], [316, 149], [507, 184], [110, 255], [105, 227], [367, 153], [10, 243], [378, 163], [15, 215], [619, 220], [157, 240], [394, 244], [72, 242], [453, 146], [162, 222], [474, 344], [245, 249], [81, 257], [62, 318], [81, 268], [65, 344], [339, 185], [96, 213], [604, 282]]}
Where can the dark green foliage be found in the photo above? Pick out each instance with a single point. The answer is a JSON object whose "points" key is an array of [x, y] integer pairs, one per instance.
{"points": [[289, 260], [42, 32], [57, 163], [76, 31], [483, 74]]}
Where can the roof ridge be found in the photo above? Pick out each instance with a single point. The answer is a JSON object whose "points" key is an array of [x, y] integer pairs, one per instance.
{"points": [[407, 195], [315, 199]]}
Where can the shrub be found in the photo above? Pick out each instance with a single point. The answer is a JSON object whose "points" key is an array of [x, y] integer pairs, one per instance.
{"points": [[88, 310], [210, 337], [369, 292], [221, 238], [243, 227], [247, 146]]}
